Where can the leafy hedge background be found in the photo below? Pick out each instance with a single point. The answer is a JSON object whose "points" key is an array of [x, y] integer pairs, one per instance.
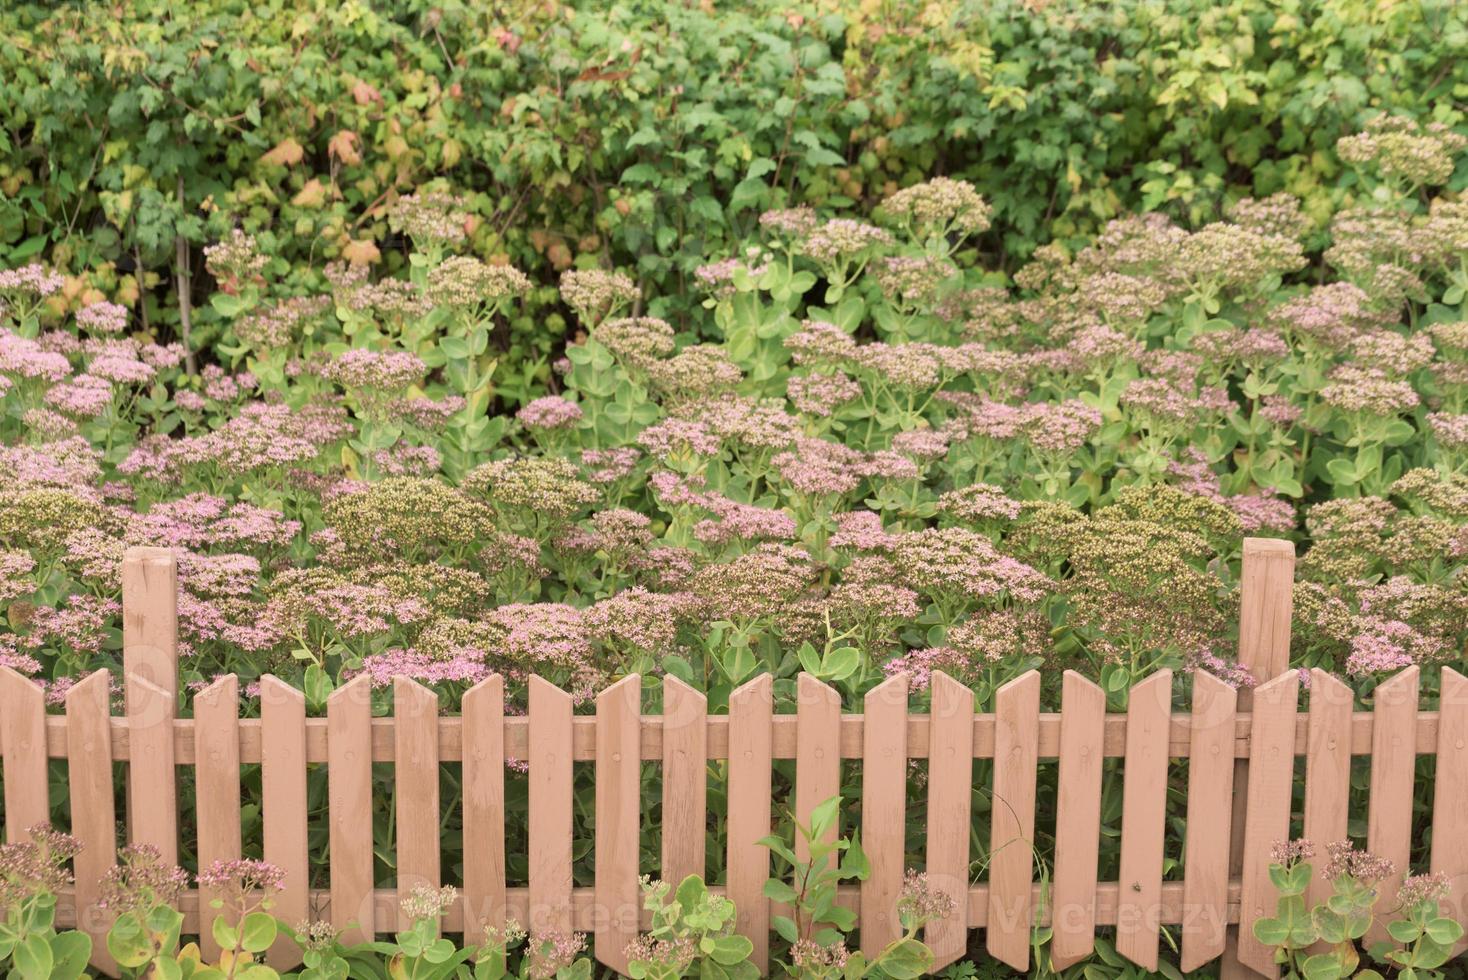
{"points": [[650, 135]]}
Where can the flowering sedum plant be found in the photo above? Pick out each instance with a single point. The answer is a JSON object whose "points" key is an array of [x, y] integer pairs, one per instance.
{"points": [[1325, 941], [32, 874], [854, 444]]}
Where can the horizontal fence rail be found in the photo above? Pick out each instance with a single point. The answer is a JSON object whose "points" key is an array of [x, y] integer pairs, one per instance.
{"points": [[1239, 749]]}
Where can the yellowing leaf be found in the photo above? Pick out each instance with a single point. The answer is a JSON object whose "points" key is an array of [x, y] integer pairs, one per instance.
{"points": [[287, 153], [313, 195], [361, 252], [365, 94], [343, 146]]}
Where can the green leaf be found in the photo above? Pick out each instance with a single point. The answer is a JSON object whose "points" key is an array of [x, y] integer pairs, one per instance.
{"points": [[32, 958], [70, 951], [258, 932], [729, 950], [906, 959], [780, 891]]}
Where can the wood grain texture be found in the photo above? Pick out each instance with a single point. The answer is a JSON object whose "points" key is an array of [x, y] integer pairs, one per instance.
{"points": [[217, 791], [1450, 796], [23, 737], [1266, 608], [150, 686], [685, 780], [93, 816], [817, 754], [551, 802], [1327, 773], [1209, 815], [1012, 821], [484, 805], [618, 819], [415, 778], [751, 711], [1077, 820], [1393, 769], [283, 794], [1271, 778], [349, 805], [950, 806], [883, 810], [1143, 816]]}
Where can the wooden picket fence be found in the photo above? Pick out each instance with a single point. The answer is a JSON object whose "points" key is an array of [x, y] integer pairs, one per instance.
{"points": [[1239, 748]]}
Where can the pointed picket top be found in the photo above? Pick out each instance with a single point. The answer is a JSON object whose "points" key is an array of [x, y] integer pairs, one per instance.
{"points": [[94, 688], [891, 691], [757, 688], [23, 743], [358, 690], [628, 688], [1077, 819], [220, 692], [273, 690], [1154, 691], [1281, 689], [411, 690], [1401, 685], [492, 683], [1327, 770]]}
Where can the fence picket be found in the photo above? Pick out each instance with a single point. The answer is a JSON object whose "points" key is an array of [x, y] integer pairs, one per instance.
{"points": [[1393, 768], [685, 780], [484, 805], [23, 735], [817, 753], [1143, 820], [883, 810], [283, 796], [1271, 778], [1012, 820], [93, 816], [551, 807], [349, 802], [216, 791], [415, 778], [1077, 820], [1450, 795], [751, 741], [1209, 817], [618, 818], [1327, 771], [950, 791], [1266, 603], [150, 682]]}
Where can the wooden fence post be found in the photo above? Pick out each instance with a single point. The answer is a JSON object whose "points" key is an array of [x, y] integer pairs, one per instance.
{"points": [[1266, 607], [150, 685]]}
